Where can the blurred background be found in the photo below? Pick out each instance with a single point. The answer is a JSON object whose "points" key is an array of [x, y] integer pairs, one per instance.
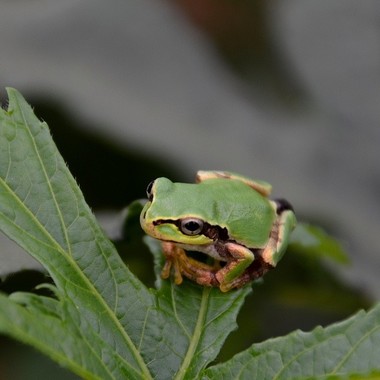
{"points": [[286, 91]]}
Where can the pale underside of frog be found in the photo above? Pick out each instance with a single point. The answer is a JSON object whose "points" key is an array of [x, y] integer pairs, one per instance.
{"points": [[227, 217]]}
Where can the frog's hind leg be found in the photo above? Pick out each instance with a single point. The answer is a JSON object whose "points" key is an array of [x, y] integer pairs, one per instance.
{"points": [[279, 237]]}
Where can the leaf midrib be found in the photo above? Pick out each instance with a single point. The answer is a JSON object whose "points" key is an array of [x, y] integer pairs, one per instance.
{"points": [[193, 344]]}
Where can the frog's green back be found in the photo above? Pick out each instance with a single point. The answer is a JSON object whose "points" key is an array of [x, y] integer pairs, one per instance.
{"points": [[247, 215]]}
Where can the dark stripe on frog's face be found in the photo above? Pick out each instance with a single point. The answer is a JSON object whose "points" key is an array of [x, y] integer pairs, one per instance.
{"points": [[212, 232]]}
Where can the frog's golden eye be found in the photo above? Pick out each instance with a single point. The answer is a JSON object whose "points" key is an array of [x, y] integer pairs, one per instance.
{"points": [[149, 192], [191, 226]]}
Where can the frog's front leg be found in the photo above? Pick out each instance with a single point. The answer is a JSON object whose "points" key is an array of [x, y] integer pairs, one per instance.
{"points": [[240, 259], [173, 255], [183, 265]]}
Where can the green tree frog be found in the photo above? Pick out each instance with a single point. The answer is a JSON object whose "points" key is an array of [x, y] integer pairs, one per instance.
{"points": [[224, 215]]}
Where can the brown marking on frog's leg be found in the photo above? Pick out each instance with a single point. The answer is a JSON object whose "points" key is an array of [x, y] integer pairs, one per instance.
{"points": [[278, 239], [258, 268]]}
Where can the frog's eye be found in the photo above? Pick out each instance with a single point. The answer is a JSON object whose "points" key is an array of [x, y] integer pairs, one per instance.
{"points": [[149, 192], [191, 226]]}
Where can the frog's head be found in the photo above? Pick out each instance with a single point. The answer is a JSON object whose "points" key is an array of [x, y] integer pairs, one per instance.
{"points": [[169, 214]]}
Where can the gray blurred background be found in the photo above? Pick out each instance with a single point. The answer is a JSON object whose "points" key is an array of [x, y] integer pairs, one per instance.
{"points": [[286, 91]]}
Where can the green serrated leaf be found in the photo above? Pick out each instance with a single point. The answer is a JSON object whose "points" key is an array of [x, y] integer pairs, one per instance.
{"points": [[348, 347], [104, 324], [43, 210]]}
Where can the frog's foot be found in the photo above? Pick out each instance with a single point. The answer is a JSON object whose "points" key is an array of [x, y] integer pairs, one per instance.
{"points": [[255, 271], [182, 265], [235, 284], [173, 256], [203, 274]]}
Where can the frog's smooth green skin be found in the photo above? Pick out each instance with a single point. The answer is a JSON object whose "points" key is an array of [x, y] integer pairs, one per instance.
{"points": [[224, 215]]}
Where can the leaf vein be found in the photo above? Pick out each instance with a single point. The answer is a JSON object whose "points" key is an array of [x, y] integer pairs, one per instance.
{"points": [[47, 178], [353, 348], [197, 333]]}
